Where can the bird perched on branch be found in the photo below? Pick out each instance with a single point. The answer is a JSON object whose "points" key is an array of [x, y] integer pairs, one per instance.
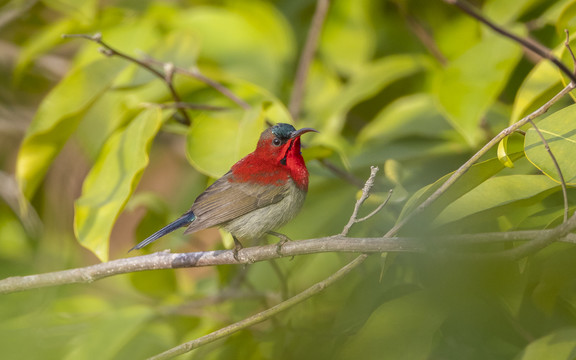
{"points": [[260, 193]]}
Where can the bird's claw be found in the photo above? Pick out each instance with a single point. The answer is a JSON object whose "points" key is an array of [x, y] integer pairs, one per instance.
{"points": [[279, 245], [238, 246]]}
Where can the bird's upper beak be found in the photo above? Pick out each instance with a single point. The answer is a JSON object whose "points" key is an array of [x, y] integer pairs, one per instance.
{"points": [[298, 133]]}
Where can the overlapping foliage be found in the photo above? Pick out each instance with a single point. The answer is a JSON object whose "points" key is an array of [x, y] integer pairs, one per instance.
{"points": [[415, 87]]}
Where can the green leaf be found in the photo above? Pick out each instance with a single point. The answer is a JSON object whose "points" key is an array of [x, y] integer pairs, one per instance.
{"points": [[366, 83], [475, 176], [558, 130], [503, 153], [112, 180], [218, 140], [502, 12], [47, 38], [348, 39], [469, 85], [251, 42], [81, 10], [539, 86], [413, 115], [567, 19], [495, 192], [404, 328], [559, 345], [58, 117], [109, 333]]}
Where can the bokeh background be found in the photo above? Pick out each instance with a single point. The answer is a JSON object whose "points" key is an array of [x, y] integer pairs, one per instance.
{"points": [[413, 87]]}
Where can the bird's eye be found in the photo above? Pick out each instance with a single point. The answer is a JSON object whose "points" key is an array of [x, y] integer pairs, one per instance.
{"points": [[276, 142]]}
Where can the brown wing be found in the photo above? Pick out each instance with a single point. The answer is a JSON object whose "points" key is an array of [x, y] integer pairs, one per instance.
{"points": [[224, 201]]}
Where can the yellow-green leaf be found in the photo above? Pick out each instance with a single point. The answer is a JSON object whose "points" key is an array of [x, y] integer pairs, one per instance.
{"points": [[558, 130], [503, 153], [217, 140], [112, 180], [470, 84], [58, 117]]}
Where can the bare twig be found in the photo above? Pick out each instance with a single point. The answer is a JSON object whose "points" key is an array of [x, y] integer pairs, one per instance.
{"points": [[196, 74], [363, 197], [567, 45], [306, 58], [377, 210], [166, 77]]}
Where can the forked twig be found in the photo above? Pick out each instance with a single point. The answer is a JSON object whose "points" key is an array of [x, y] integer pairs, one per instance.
{"points": [[363, 197]]}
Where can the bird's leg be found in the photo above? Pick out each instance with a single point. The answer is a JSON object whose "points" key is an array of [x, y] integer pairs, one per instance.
{"points": [[238, 246], [283, 240]]}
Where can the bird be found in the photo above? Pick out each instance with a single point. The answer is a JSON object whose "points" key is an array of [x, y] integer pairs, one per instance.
{"points": [[260, 193]]}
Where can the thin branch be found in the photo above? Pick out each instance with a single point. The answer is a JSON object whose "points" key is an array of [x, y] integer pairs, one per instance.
{"points": [[307, 56], [567, 45], [558, 170], [337, 243], [264, 315], [166, 77], [196, 74], [528, 44]]}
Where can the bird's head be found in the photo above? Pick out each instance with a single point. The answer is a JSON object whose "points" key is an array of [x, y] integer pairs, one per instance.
{"points": [[280, 143]]}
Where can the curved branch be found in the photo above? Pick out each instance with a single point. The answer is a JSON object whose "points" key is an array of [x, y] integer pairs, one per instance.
{"points": [[264, 315]]}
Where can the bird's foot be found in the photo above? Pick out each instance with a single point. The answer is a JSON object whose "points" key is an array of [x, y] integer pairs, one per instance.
{"points": [[237, 247], [283, 240]]}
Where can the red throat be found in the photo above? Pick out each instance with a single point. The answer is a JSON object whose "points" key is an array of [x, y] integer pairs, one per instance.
{"points": [[266, 167]]}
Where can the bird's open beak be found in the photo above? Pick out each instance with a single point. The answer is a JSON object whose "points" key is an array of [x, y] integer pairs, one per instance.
{"points": [[298, 133]]}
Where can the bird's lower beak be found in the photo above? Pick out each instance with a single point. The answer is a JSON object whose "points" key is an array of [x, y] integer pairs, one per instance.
{"points": [[298, 133]]}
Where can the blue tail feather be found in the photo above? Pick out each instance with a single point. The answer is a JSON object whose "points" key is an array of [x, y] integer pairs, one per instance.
{"points": [[182, 221]]}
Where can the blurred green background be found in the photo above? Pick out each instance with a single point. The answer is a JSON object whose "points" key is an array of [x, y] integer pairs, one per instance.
{"points": [[89, 167]]}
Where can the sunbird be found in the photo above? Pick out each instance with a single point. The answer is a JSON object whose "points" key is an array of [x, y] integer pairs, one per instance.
{"points": [[260, 193]]}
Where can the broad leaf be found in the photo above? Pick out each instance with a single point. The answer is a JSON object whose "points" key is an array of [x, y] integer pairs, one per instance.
{"points": [[559, 345], [495, 192], [469, 85], [540, 85], [112, 180], [348, 40], [558, 130], [365, 84], [475, 176], [58, 117], [109, 333], [404, 328]]}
